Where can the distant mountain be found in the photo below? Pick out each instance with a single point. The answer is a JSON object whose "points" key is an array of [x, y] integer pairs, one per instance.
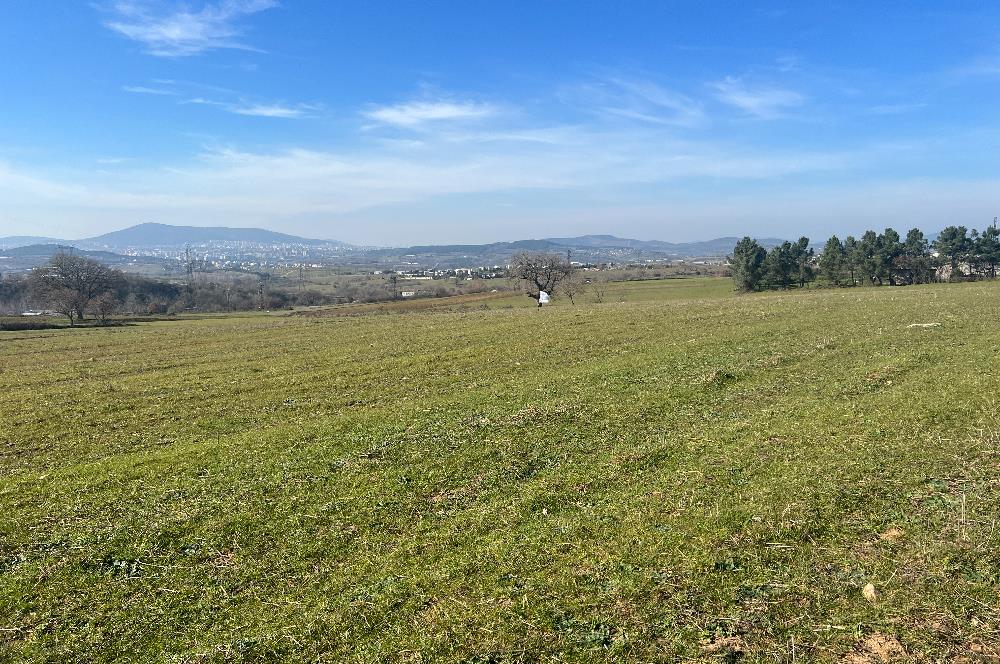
{"points": [[151, 235], [585, 248], [717, 247], [477, 249], [25, 240], [596, 242]]}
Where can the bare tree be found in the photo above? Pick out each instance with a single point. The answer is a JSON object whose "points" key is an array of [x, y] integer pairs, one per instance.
{"points": [[69, 284], [106, 305], [573, 286], [600, 289], [540, 272]]}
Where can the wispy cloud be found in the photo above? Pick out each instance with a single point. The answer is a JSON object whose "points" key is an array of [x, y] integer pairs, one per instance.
{"points": [[636, 99], [143, 90], [762, 102], [223, 98], [316, 187], [231, 182], [649, 102], [787, 63], [986, 65], [576, 167], [417, 113], [269, 111], [895, 109], [261, 110], [177, 30]]}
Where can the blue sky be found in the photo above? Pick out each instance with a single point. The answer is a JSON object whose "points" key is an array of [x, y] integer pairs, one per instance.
{"points": [[410, 122]]}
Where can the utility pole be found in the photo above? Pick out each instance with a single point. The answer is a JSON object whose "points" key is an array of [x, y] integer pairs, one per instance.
{"points": [[262, 287], [189, 268]]}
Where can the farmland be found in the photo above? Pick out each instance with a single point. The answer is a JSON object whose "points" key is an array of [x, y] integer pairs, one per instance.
{"points": [[676, 472]]}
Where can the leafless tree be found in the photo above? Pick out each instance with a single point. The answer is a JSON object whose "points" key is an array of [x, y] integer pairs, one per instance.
{"points": [[69, 284], [540, 272], [573, 286], [600, 289], [106, 305]]}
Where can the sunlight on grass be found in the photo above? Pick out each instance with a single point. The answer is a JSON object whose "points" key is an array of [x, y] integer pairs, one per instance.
{"points": [[682, 473]]}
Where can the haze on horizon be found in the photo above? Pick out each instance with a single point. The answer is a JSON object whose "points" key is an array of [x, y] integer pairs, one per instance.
{"points": [[388, 123]]}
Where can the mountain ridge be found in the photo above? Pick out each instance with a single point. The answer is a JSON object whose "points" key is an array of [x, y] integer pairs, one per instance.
{"points": [[12, 241], [151, 235]]}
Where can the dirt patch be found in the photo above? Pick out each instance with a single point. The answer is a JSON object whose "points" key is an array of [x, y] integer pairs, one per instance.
{"points": [[892, 535], [723, 645], [877, 647]]}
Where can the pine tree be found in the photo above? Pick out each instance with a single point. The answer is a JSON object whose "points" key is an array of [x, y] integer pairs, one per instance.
{"points": [[953, 247], [867, 258], [915, 260], [780, 266], [851, 258], [832, 261], [747, 264], [802, 257], [987, 250], [887, 256]]}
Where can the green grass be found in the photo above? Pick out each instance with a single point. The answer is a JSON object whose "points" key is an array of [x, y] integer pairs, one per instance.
{"points": [[687, 474]]}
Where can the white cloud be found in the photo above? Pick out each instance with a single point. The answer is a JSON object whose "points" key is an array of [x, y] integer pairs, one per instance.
{"points": [[395, 194], [143, 90], [177, 30], [762, 102], [269, 111], [468, 155], [261, 110], [788, 63], [638, 100], [416, 113], [233, 185], [223, 98], [649, 102]]}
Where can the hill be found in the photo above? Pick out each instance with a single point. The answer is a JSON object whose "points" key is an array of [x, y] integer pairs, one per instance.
{"points": [[717, 247], [679, 474], [584, 248], [46, 251], [24, 240], [21, 259], [152, 235]]}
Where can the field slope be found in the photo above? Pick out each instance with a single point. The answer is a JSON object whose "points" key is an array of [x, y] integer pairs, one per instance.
{"points": [[686, 474]]}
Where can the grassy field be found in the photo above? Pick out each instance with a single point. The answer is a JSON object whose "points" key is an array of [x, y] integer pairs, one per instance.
{"points": [[686, 474]]}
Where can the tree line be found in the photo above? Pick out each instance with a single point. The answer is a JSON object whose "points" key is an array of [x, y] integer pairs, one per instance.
{"points": [[79, 287], [875, 258]]}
